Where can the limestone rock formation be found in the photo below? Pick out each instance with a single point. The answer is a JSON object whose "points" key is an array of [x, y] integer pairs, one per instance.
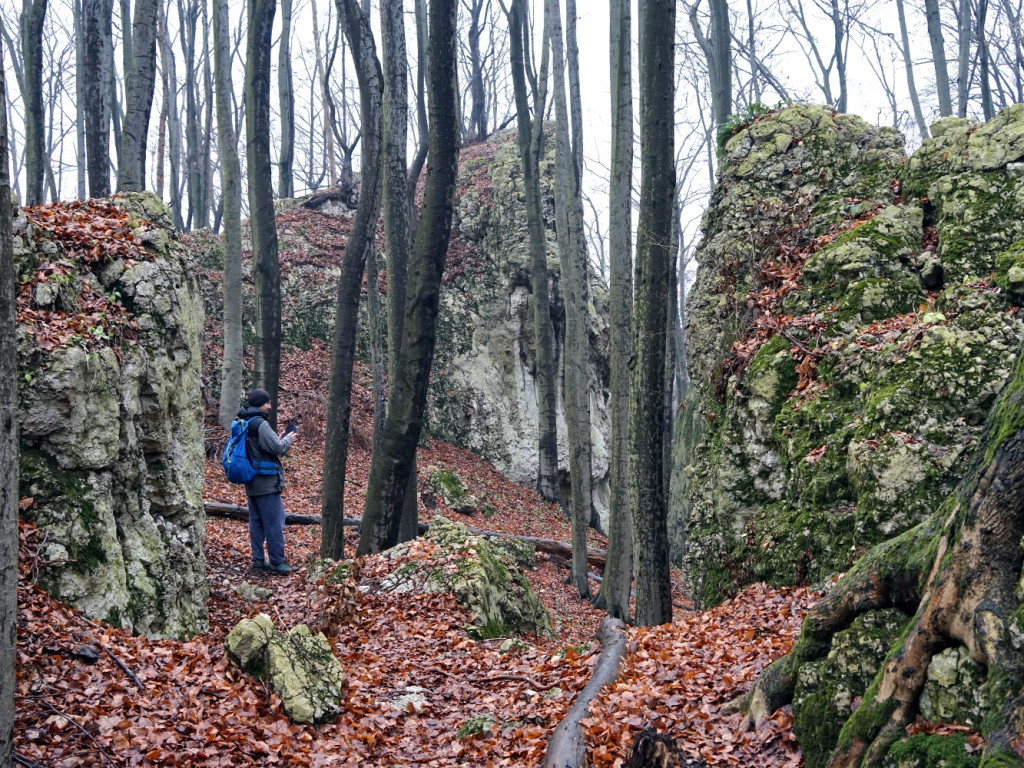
{"points": [[854, 317], [486, 580], [300, 666], [111, 413]]}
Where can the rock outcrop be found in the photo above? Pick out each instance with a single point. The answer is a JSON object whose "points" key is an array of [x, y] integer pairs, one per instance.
{"points": [[854, 316], [109, 334]]}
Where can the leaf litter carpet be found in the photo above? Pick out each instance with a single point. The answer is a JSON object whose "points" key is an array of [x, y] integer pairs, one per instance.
{"points": [[78, 702]]}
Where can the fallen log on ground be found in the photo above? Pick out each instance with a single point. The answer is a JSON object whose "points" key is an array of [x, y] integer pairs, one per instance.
{"points": [[566, 748], [235, 512]]}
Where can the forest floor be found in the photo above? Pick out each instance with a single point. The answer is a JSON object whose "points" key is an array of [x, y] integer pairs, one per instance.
{"points": [[187, 706]]}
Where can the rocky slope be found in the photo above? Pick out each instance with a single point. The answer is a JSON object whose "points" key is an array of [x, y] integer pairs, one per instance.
{"points": [[109, 327], [854, 316]]}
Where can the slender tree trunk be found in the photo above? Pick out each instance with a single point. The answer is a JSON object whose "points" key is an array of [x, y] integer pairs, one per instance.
{"points": [[618, 571], [81, 165], [96, 16], [391, 469], [360, 240], [286, 101], [755, 81], [161, 141], [8, 450], [987, 109], [422, 128], [657, 182], [908, 63], [839, 30], [139, 85], [261, 200], [478, 113], [189, 14], [938, 57], [173, 125], [114, 104], [568, 214], [721, 53], [32, 16], [205, 154], [323, 73], [963, 72], [232, 369], [531, 137]]}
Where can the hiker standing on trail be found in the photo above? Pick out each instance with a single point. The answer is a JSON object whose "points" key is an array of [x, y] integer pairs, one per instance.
{"points": [[266, 510]]}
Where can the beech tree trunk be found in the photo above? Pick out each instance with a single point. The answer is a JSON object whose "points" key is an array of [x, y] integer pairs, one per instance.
{"points": [[261, 200], [189, 16], [8, 450], [477, 127], [286, 103], [139, 85], [908, 64], [958, 573], [170, 83], [32, 16], [422, 128], [646, 413], [531, 143], [79, 31], [391, 469], [232, 369], [360, 240], [96, 17], [938, 48], [618, 573], [964, 45], [573, 255]]}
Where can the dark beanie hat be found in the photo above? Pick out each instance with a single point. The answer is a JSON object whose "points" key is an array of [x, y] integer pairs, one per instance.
{"points": [[258, 397]]}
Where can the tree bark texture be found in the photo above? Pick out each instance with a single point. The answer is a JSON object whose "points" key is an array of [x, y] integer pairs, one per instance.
{"points": [[353, 263], [531, 141], [8, 451], [958, 574], [618, 573], [96, 17], [232, 369], [189, 16], [568, 222], [647, 383], [32, 16], [391, 470], [964, 45], [721, 56], [477, 129], [79, 31], [938, 48], [286, 104], [261, 200], [908, 64], [139, 85], [173, 125]]}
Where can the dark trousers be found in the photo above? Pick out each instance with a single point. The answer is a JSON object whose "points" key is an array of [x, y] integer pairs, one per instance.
{"points": [[266, 523]]}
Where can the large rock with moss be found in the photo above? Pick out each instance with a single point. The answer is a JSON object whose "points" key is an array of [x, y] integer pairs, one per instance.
{"points": [[487, 581], [111, 414], [797, 451], [300, 666]]}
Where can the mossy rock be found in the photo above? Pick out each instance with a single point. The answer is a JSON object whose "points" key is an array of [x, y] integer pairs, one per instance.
{"points": [[827, 691], [923, 750], [452, 490], [304, 672], [1010, 271], [955, 691]]}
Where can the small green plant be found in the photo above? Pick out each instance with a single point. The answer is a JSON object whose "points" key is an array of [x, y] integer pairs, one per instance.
{"points": [[493, 628], [475, 725], [740, 120]]}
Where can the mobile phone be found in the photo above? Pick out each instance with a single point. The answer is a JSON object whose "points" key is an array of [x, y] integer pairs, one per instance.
{"points": [[291, 428]]}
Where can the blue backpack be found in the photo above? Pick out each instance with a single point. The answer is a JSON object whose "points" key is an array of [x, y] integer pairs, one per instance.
{"points": [[238, 467]]}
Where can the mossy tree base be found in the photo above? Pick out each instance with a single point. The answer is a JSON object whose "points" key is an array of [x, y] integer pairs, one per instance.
{"points": [[958, 575]]}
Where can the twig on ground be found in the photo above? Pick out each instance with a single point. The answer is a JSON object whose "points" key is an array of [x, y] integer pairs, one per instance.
{"points": [[124, 668]]}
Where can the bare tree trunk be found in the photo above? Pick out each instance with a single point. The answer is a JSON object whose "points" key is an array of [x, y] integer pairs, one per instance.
{"points": [[189, 16], [323, 72], [360, 240], [721, 54], [963, 72], [286, 103], [139, 85], [478, 113], [422, 128], [112, 98], [96, 16], [657, 182], [8, 450], [391, 469], [173, 125], [232, 369], [79, 98], [938, 57], [531, 138], [161, 142], [32, 16], [908, 63], [568, 211], [206, 151], [618, 572], [983, 57], [261, 200]]}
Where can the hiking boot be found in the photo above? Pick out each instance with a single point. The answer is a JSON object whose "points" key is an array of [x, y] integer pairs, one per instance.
{"points": [[261, 565], [281, 567]]}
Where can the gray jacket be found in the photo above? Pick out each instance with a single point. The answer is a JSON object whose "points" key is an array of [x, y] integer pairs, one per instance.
{"points": [[266, 446]]}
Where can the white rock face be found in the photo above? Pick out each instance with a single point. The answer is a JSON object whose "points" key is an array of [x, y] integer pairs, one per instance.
{"points": [[112, 441]]}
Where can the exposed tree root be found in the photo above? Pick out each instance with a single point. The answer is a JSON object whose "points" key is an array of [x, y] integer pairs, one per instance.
{"points": [[566, 748], [958, 575]]}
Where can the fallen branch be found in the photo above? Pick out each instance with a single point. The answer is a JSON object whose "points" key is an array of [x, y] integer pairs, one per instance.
{"points": [[536, 685], [566, 748], [595, 557], [124, 667], [53, 710]]}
